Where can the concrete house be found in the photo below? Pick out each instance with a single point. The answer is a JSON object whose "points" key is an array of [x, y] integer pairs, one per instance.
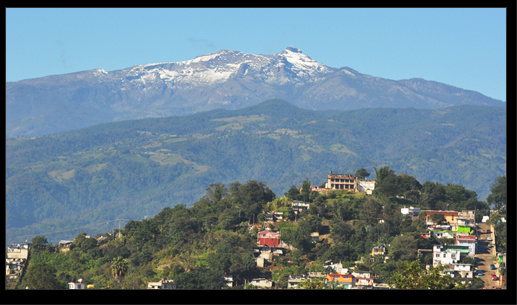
{"points": [[261, 282], [349, 182], [467, 240], [163, 284], [77, 285], [341, 182], [445, 256]]}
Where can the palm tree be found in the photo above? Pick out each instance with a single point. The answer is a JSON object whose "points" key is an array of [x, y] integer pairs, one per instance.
{"points": [[381, 173], [118, 267]]}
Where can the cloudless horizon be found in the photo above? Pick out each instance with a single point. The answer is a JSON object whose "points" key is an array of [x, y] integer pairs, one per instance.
{"points": [[462, 47]]}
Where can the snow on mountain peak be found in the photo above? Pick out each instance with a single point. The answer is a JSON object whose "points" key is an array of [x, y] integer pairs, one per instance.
{"points": [[290, 65], [302, 64]]}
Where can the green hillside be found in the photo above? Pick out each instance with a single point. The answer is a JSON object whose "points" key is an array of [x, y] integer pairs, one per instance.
{"points": [[197, 246], [86, 179]]}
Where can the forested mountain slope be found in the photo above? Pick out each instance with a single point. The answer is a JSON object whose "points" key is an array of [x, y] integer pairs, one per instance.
{"points": [[131, 169]]}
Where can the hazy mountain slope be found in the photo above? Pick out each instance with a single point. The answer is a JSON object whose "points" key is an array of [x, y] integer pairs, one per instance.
{"points": [[130, 169], [224, 79]]}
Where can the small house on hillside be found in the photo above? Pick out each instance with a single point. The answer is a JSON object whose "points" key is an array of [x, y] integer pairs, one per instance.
{"points": [[268, 238], [77, 285], [299, 206], [346, 280], [64, 245], [163, 284], [381, 250], [451, 219], [411, 211]]}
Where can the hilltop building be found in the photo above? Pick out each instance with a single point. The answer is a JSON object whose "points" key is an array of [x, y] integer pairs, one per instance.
{"points": [[349, 182]]}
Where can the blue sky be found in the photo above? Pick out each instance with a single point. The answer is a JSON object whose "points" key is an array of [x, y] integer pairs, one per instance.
{"points": [[465, 48]]}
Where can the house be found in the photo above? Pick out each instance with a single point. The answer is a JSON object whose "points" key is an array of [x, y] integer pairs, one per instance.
{"points": [[363, 282], [366, 186], [64, 245], [228, 279], [274, 216], [411, 211], [361, 274], [14, 266], [451, 218], [279, 215], [445, 256], [466, 218], [441, 234], [346, 280], [380, 286], [294, 280], [77, 285], [335, 268], [341, 182], [299, 205], [268, 238], [461, 267], [349, 182], [315, 237], [17, 252], [381, 250], [163, 284], [261, 282], [318, 189], [467, 240], [464, 276], [268, 217]]}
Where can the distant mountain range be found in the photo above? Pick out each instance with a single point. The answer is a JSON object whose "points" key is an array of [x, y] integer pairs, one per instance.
{"points": [[84, 180], [224, 79]]}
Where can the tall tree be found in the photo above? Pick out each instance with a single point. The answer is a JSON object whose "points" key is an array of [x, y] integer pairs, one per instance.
{"points": [[306, 190], [361, 173], [411, 275], [497, 195], [381, 173], [403, 248], [215, 192], [119, 267], [39, 243], [41, 276], [370, 211]]}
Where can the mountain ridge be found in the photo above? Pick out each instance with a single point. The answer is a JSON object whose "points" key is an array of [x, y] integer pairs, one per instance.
{"points": [[224, 79]]}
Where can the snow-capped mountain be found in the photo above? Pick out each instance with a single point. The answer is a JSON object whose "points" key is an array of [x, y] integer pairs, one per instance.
{"points": [[223, 79], [288, 66]]}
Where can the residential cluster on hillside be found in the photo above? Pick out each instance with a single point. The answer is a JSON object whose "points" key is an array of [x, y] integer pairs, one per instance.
{"points": [[454, 240], [457, 225], [16, 259]]}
